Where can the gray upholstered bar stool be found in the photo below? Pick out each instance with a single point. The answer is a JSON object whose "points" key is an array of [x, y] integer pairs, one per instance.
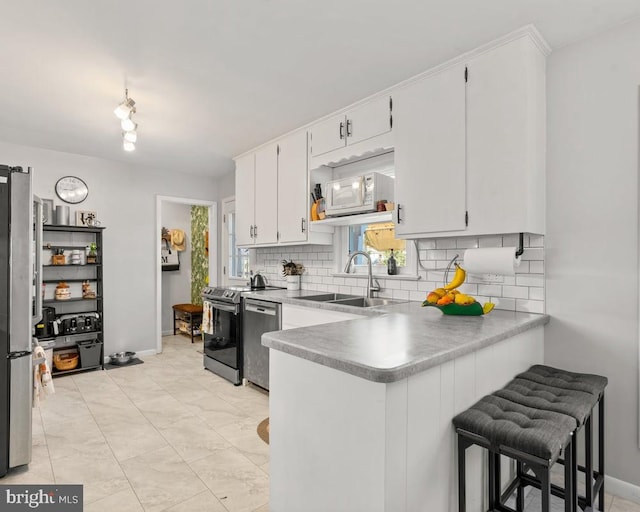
{"points": [[530, 436], [581, 385]]}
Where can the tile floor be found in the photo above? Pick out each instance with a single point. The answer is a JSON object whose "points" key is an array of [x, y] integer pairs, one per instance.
{"points": [[165, 435]]}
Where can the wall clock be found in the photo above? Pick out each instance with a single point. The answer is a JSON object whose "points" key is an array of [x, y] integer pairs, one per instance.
{"points": [[72, 189]]}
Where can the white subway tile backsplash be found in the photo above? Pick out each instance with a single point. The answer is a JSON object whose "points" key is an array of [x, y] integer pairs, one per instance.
{"points": [[446, 243], [536, 267], [536, 241], [515, 292], [533, 254], [530, 306], [490, 289], [437, 255], [504, 303], [530, 280], [524, 292], [409, 285], [417, 296], [467, 243], [536, 293]]}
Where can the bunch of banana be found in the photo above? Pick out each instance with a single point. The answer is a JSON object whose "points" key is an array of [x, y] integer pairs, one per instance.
{"points": [[449, 295]]}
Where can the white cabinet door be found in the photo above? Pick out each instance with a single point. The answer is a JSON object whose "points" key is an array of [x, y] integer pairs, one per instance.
{"points": [[505, 116], [266, 193], [368, 120], [293, 190], [328, 135], [245, 199], [429, 126]]}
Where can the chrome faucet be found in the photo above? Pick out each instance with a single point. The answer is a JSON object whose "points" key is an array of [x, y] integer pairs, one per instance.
{"points": [[371, 287]]}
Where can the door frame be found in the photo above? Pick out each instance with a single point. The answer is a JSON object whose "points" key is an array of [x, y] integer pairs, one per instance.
{"points": [[213, 251]]}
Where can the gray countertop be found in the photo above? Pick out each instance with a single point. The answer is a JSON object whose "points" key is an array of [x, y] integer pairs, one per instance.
{"points": [[393, 342]]}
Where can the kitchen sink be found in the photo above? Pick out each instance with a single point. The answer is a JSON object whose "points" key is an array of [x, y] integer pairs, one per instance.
{"points": [[364, 302], [329, 297]]}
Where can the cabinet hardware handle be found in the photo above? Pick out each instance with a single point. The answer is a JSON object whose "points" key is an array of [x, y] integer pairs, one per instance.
{"points": [[302, 225], [399, 208], [255, 231], [251, 231], [349, 125], [341, 130]]}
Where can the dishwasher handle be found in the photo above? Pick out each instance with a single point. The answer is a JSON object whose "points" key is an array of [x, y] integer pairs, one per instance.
{"points": [[261, 308]]}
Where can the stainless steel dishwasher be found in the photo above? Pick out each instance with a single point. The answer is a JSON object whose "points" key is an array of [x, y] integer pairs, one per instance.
{"points": [[258, 317]]}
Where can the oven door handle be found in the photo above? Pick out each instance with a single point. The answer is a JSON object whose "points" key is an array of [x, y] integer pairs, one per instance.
{"points": [[223, 307]]}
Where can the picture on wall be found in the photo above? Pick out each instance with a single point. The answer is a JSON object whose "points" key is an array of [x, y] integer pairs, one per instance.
{"points": [[85, 218]]}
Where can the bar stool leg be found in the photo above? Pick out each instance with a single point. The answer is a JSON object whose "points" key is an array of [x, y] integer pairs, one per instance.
{"points": [[601, 450], [462, 495], [569, 504], [492, 480], [543, 475], [519, 491], [588, 461]]}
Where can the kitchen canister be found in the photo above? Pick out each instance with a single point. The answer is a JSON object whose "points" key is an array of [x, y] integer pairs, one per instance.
{"points": [[62, 215], [293, 283]]}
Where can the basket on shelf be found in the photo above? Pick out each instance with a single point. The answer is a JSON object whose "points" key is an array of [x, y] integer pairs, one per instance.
{"points": [[65, 361]]}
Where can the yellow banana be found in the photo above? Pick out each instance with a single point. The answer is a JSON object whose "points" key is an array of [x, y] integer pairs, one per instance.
{"points": [[458, 278]]}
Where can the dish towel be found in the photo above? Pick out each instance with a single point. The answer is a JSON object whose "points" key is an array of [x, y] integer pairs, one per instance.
{"points": [[207, 318], [42, 381]]}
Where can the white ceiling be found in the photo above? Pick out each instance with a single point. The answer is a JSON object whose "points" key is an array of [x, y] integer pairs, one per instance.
{"points": [[214, 78]]}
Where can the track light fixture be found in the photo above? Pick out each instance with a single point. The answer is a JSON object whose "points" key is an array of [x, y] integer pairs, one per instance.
{"points": [[124, 111]]}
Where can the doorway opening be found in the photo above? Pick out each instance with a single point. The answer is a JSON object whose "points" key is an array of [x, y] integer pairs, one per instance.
{"points": [[198, 269]]}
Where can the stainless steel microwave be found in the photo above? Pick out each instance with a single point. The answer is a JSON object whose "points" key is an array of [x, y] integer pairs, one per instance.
{"points": [[357, 194]]}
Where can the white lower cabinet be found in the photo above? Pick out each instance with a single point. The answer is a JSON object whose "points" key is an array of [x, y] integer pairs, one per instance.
{"points": [[382, 447]]}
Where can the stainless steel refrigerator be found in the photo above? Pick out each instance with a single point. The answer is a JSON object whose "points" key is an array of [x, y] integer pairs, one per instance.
{"points": [[20, 310]]}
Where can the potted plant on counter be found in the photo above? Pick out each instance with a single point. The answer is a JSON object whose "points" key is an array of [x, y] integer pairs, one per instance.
{"points": [[292, 272]]}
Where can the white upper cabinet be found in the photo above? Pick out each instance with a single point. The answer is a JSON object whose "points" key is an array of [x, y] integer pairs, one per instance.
{"points": [[356, 125], [506, 139], [266, 191], [256, 197], [293, 188], [272, 191], [245, 199], [429, 124]]}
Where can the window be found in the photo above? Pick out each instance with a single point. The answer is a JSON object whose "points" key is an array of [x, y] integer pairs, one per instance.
{"points": [[378, 240], [236, 259]]}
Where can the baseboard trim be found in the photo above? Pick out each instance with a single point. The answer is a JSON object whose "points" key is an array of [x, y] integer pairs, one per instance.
{"points": [[168, 333], [624, 490]]}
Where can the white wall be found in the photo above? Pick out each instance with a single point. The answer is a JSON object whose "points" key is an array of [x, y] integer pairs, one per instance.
{"points": [[176, 284], [592, 226], [124, 197], [226, 186]]}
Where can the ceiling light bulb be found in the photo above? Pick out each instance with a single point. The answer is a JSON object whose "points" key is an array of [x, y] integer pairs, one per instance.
{"points": [[128, 125], [130, 136], [125, 108], [128, 146]]}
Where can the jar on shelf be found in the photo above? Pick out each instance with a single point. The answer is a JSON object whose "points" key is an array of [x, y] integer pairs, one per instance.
{"points": [[63, 292]]}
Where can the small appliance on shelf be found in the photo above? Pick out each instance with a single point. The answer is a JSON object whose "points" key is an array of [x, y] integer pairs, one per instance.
{"points": [[358, 194]]}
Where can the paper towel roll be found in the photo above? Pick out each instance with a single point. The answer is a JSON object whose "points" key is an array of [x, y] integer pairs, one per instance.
{"points": [[492, 260]]}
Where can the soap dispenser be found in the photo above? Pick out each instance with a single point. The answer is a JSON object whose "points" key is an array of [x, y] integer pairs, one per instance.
{"points": [[392, 267]]}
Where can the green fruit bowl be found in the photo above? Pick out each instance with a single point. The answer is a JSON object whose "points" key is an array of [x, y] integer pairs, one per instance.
{"points": [[474, 309]]}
